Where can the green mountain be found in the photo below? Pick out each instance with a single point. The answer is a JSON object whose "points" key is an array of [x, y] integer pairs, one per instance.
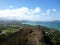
{"points": [[32, 35]]}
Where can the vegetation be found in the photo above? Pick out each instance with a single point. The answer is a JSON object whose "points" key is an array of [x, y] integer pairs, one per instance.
{"points": [[55, 37], [53, 34], [9, 29]]}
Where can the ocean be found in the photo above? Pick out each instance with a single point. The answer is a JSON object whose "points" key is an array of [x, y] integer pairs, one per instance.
{"points": [[49, 24]]}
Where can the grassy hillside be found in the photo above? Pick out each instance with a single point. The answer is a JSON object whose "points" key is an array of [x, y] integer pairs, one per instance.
{"points": [[14, 34]]}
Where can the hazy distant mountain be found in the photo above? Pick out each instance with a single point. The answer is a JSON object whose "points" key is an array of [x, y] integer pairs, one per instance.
{"points": [[56, 21], [5, 21]]}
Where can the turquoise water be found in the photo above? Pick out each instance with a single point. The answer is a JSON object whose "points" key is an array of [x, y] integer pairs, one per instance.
{"points": [[54, 25]]}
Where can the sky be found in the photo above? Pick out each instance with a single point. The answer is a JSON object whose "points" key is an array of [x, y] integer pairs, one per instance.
{"points": [[34, 10]]}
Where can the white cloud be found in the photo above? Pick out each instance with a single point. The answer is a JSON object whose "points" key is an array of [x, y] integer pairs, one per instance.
{"points": [[11, 6], [25, 13], [48, 11], [22, 13], [54, 10], [42, 13], [37, 10]]}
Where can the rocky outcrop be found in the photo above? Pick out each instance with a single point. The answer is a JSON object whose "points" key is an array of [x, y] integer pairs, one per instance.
{"points": [[28, 35]]}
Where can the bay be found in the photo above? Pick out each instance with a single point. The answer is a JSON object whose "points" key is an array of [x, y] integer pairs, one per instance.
{"points": [[49, 24]]}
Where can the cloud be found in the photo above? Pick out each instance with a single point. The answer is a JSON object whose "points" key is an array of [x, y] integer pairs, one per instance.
{"points": [[25, 13], [11, 6], [48, 11], [42, 13], [37, 10], [54, 10], [22, 13]]}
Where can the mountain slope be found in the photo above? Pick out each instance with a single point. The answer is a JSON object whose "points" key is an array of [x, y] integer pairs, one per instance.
{"points": [[28, 35]]}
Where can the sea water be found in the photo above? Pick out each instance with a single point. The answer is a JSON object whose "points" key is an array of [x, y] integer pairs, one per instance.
{"points": [[49, 24]]}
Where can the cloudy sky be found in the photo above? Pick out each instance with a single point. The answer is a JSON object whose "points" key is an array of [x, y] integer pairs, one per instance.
{"points": [[34, 10]]}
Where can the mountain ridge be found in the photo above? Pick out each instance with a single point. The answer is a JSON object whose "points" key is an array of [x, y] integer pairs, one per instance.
{"points": [[31, 35]]}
